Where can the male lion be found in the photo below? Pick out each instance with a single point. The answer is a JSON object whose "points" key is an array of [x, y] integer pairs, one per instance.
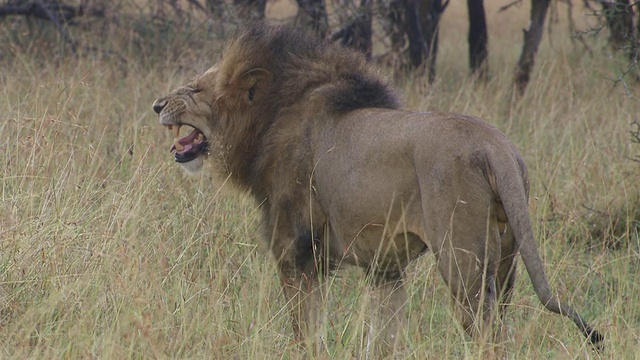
{"points": [[344, 176]]}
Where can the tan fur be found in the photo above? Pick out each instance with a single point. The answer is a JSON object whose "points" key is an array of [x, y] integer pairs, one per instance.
{"points": [[344, 176]]}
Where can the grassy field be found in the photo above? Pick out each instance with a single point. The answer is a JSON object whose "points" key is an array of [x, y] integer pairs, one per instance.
{"points": [[107, 250]]}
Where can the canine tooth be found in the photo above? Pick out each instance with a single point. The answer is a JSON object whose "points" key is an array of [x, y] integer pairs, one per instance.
{"points": [[178, 146], [176, 140]]}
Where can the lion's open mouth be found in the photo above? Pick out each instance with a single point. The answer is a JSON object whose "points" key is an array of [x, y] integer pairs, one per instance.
{"points": [[188, 147]]}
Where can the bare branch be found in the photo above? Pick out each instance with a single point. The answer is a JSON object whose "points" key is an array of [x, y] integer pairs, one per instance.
{"points": [[509, 5], [635, 136], [39, 6], [635, 131]]}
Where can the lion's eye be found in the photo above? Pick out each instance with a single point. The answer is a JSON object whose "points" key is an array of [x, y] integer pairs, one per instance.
{"points": [[195, 91]]}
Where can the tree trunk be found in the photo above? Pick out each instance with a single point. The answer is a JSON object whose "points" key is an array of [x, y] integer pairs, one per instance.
{"points": [[357, 34], [478, 39], [532, 38], [430, 13], [619, 18], [215, 8], [250, 10], [636, 53], [418, 49], [312, 14], [395, 28]]}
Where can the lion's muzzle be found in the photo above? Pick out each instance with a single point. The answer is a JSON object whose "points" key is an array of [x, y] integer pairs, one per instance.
{"points": [[187, 148]]}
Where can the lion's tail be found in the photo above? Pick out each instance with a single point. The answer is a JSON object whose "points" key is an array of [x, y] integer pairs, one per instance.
{"points": [[512, 187]]}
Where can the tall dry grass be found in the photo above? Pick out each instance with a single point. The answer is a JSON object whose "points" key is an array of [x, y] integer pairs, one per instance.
{"points": [[108, 251]]}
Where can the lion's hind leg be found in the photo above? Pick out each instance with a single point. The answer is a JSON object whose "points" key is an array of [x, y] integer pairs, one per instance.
{"points": [[506, 270], [474, 293], [467, 247]]}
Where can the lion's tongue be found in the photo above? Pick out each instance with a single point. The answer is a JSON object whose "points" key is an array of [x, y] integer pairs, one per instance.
{"points": [[185, 144]]}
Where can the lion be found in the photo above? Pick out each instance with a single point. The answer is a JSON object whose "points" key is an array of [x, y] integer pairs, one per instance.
{"points": [[345, 176]]}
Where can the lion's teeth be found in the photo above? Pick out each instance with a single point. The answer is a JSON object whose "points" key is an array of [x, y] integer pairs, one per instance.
{"points": [[199, 138], [177, 144], [176, 139]]}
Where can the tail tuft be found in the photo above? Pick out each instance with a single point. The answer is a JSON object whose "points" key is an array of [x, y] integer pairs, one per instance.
{"points": [[595, 338]]}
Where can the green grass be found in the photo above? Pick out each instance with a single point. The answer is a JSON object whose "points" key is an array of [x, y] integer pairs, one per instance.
{"points": [[108, 250]]}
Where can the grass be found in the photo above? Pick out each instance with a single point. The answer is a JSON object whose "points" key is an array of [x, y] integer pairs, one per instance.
{"points": [[108, 251]]}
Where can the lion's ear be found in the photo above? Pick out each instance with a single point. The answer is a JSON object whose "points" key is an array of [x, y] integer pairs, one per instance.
{"points": [[251, 79]]}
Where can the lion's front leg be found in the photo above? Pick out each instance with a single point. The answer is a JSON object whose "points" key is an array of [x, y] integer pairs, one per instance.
{"points": [[298, 268], [388, 298], [304, 301]]}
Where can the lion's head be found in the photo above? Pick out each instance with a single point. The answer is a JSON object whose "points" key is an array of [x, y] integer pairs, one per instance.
{"points": [[203, 105], [189, 106], [263, 70]]}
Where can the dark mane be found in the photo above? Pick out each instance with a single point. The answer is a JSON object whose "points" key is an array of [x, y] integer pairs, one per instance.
{"points": [[300, 62], [300, 68]]}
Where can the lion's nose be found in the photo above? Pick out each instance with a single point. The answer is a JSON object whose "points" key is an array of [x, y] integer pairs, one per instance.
{"points": [[159, 105]]}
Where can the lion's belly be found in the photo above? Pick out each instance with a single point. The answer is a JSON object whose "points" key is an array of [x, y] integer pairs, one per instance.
{"points": [[389, 233], [373, 246]]}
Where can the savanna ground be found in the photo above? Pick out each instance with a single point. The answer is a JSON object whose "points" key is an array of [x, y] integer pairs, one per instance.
{"points": [[107, 250]]}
